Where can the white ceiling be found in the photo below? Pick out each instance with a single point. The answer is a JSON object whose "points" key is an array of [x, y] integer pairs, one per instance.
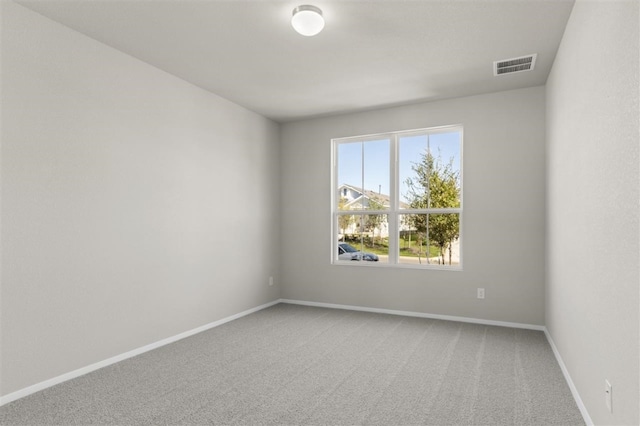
{"points": [[371, 54]]}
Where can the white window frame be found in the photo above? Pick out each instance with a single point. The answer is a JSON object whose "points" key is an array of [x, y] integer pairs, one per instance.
{"points": [[394, 198]]}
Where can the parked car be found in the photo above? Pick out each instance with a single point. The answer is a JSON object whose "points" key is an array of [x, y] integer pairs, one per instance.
{"points": [[348, 252]]}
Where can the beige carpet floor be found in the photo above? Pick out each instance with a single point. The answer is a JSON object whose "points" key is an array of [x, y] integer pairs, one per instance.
{"points": [[299, 365]]}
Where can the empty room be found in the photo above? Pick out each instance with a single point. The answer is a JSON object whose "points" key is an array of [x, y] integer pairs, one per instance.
{"points": [[320, 213]]}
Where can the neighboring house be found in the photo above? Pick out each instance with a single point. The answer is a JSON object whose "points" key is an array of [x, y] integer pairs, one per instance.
{"points": [[358, 198], [355, 198]]}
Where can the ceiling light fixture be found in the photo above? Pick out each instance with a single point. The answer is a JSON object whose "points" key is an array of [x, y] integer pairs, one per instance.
{"points": [[307, 20]]}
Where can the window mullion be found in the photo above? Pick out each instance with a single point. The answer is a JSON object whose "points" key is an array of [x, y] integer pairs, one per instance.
{"points": [[394, 198], [361, 220], [334, 202]]}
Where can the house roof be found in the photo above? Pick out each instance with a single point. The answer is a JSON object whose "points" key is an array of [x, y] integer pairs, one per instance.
{"points": [[370, 195]]}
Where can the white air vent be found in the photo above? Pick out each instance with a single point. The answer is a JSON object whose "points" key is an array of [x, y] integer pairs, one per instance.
{"points": [[508, 66]]}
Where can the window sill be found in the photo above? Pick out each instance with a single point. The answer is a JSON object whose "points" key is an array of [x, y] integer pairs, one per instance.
{"points": [[423, 267]]}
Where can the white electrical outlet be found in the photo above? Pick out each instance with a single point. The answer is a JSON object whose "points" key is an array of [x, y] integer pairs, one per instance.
{"points": [[480, 293], [608, 396], [270, 280]]}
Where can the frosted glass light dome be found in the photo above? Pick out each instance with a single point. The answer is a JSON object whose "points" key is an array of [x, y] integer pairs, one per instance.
{"points": [[307, 20]]}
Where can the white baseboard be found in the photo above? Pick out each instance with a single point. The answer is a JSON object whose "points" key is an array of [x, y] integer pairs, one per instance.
{"points": [[416, 314], [89, 368], [567, 377]]}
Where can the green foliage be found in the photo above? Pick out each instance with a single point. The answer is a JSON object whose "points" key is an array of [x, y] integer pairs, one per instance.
{"points": [[373, 221], [435, 185]]}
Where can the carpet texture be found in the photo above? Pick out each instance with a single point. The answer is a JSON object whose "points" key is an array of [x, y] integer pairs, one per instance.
{"points": [[301, 365]]}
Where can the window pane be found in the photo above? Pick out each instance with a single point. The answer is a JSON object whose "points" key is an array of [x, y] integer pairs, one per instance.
{"points": [[444, 179], [444, 234], [347, 225], [413, 243], [429, 171], [411, 150], [349, 174], [447, 146], [363, 175], [429, 239], [376, 175], [368, 242]]}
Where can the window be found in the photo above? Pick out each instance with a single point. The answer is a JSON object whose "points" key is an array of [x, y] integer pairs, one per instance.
{"points": [[398, 199]]}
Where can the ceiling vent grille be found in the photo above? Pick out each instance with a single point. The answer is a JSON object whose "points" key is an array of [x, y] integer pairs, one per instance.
{"points": [[509, 66]]}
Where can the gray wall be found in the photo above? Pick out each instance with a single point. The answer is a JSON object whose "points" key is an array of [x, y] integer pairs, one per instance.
{"points": [[504, 212], [135, 206], [593, 194]]}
